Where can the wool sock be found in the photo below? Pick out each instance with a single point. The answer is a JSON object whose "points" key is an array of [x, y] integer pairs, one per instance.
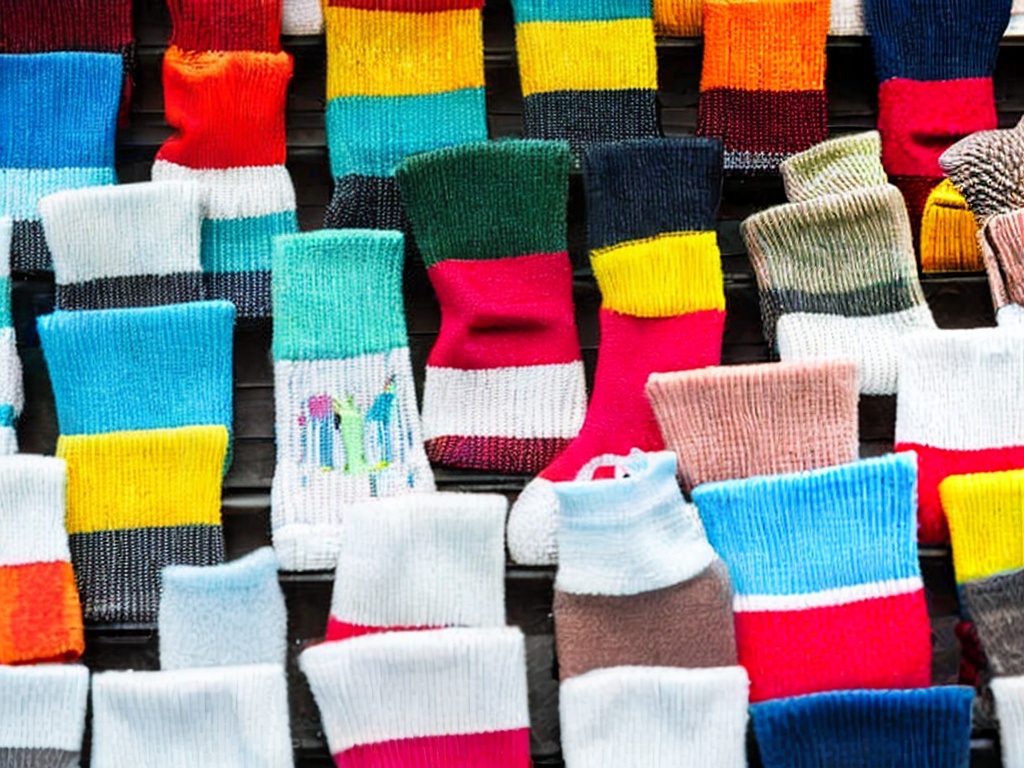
{"points": [[951, 410], [949, 233], [505, 388], [762, 89], [347, 425], [651, 209], [987, 168], [302, 17], [996, 607], [42, 715], [634, 572], [12, 395], [826, 576], [1009, 697], [655, 717], [846, 18], [678, 18], [744, 420], [451, 698], [70, 101], [834, 166], [1002, 249]]}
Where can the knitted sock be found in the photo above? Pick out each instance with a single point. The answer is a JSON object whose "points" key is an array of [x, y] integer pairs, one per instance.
{"points": [[399, 81], [302, 17], [135, 245], [1002, 248], [1009, 697], [505, 388], [12, 396], [929, 728], [452, 698], [40, 614], [424, 562], [1016, 27], [837, 279], [834, 167], [347, 425], [651, 209], [846, 18], [746, 420], [949, 233], [42, 715], [762, 90], [678, 18], [214, 717], [634, 562], [987, 168], [655, 717], [853, 615], [70, 101], [951, 410], [224, 615], [996, 606]]}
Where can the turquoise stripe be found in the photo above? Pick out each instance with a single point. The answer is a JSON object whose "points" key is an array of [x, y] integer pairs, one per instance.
{"points": [[370, 135], [5, 302], [21, 189], [580, 10], [6, 415], [244, 245]]}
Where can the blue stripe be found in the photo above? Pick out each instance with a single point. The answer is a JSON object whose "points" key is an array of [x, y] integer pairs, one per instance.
{"points": [[5, 303], [21, 189], [6, 416], [579, 10], [244, 245]]}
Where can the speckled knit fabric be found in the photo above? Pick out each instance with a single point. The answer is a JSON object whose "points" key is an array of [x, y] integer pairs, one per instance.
{"points": [[1002, 247], [988, 170], [834, 166], [996, 606], [12, 396], [949, 233]]}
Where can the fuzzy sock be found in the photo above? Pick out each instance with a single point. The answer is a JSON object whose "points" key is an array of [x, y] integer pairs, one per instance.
{"points": [[1009, 697], [42, 715], [987, 168], [651, 209], [846, 18], [678, 18], [996, 606], [505, 388], [12, 394], [834, 167], [949, 233]]}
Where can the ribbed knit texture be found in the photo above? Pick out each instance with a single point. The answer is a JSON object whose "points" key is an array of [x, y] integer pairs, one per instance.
{"points": [[678, 18], [1002, 249], [12, 395], [929, 728], [347, 425], [42, 715], [1009, 697], [949, 233], [834, 167], [987, 168], [651, 208], [996, 606], [846, 18], [762, 89]]}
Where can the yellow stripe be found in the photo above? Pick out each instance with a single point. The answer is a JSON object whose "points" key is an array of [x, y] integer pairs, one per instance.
{"points": [[986, 522], [384, 53], [664, 276], [145, 479], [586, 56]]}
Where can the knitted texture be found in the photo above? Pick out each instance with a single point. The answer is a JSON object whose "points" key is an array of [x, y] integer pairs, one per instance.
{"points": [[826, 559], [846, 18], [996, 606], [451, 698], [838, 279], [949, 233], [347, 425], [655, 716], [1009, 698], [633, 560], [505, 388], [834, 166], [224, 615], [951, 411], [12, 396], [678, 18], [651, 208], [70, 101], [302, 17], [987, 168], [762, 89], [746, 420], [1002, 249], [929, 728], [42, 715]]}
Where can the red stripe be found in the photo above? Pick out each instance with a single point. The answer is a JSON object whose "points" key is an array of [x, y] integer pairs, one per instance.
{"points": [[508, 455], [408, 6], [342, 630], [879, 643], [40, 614], [216, 25], [763, 121], [498, 749], [37, 26]]}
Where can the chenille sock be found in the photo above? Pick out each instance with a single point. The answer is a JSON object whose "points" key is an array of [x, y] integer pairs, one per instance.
{"points": [[949, 233], [846, 18], [12, 395], [1009, 697], [987, 168], [651, 207], [505, 389], [1002, 248], [996, 606], [678, 18], [834, 166], [42, 715]]}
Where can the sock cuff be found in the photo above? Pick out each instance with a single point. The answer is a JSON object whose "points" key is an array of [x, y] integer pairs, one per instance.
{"points": [[237, 25], [43, 706], [32, 507], [949, 232], [1009, 697], [986, 168], [985, 512], [834, 166]]}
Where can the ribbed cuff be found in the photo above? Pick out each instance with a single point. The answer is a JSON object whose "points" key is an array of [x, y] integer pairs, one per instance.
{"points": [[949, 233], [986, 168], [996, 606], [834, 166], [32, 502], [43, 707], [212, 25], [1009, 696]]}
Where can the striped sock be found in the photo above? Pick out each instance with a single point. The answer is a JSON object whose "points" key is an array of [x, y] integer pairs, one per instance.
{"points": [[12, 395], [1002, 249], [678, 18], [42, 715], [996, 606], [834, 167], [949, 233]]}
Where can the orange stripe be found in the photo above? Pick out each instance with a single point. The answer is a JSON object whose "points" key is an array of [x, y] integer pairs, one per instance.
{"points": [[40, 615]]}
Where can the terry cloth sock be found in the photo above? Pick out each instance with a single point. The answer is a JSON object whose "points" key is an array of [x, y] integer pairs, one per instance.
{"points": [[1002, 247], [987, 168], [949, 233], [651, 207], [453, 698], [762, 90], [302, 17], [655, 717], [1009, 698], [505, 389], [637, 584], [996, 606], [42, 715], [827, 581], [12, 396], [838, 279], [135, 245], [745, 420], [40, 615], [952, 410], [928, 728], [428, 561], [678, 18], [834, 167], [846, 18], [400, 81], [223, 615], [70, 102], [347, 426], [214, 717]]}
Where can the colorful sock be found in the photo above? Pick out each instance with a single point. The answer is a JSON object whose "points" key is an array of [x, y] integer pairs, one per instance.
{"points": [[678, 18], [838, 279], [40, 614], [846, 18], [651, 209], [302, 17], [746, 420], [949, 233], [951, 410], [347, 425], [865, 729], [834, 167], [1002, 249], [214, 717], [134, 245], [70, 101], [428, 561], [987, 168], [1009, 697], [505, 389], [452, 698], [851, 616], [42, 715], [223, 615], [996, 606], [655, 717], [588, 70], [12, 395], [634, 561], [762, 90], [400, 81]]}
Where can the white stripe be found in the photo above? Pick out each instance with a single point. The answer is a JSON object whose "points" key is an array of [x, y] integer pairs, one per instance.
{"points": [[43, 706], [236, 193], [827, 598], [32, 510], [11, 390], [1009, 696], [6, 230]]}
